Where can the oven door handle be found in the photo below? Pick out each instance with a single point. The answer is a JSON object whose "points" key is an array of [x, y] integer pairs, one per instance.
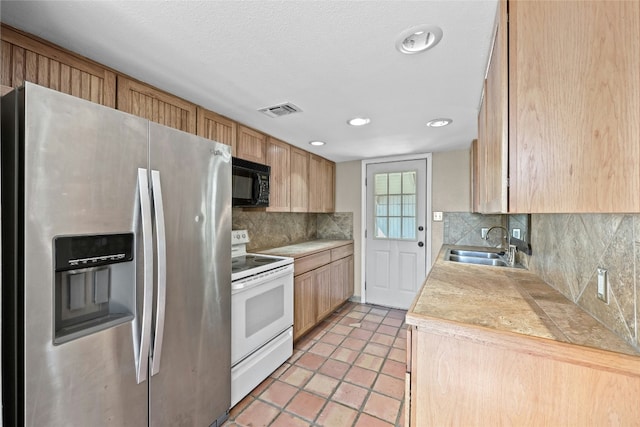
{"points": [[258, 279]]}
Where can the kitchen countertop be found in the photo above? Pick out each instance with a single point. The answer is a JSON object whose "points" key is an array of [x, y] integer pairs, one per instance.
{"points": [[505, 299], [306, 248]]}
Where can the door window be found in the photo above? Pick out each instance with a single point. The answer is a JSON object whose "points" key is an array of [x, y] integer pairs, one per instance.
{"points": [[395, 205]]}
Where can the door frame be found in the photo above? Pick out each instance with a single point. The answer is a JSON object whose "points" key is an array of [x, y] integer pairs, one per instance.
{"points": [[363, 212]]}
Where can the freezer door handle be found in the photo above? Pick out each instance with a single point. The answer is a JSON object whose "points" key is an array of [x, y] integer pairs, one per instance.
{"points": [[161, 270], [142, 362]]}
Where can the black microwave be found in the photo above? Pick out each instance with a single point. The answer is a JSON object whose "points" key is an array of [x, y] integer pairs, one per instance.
{"points": [[249, 184]]}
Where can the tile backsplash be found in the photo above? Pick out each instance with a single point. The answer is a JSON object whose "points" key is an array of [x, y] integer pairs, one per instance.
{"points": [[569, 248], [273, 229]]}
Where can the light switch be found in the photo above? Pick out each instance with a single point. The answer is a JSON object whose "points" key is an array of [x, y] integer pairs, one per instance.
{"points": [[603, 285], [437, 216]]}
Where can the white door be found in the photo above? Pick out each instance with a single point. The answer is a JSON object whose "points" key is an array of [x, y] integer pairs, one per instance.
{"points": [[396, 232]]}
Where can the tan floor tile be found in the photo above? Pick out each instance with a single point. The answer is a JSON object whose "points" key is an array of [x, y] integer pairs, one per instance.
{"points": [[288, 420], [341, 329], [382, 339], [397, 354], [389, 386], [334, 415], [379, 311], [369, 326], [353, 343], [392, 322], [350, 395], [383, 407], [360, 376], [240, 406], [389, 330], [334, 368], [356, 315], [373, 318], [305, 344], [310, 361], [296, 376], [280, 370], [296, 355], [366, 420], [362, 334], [362, 308], [376, 349], [344, 355], [397, 314], [279, 393], [331, 338], [261, 387], [400, 342], [395, 369], [257, 414], [322, 385], [322, 349], [369, 361], [306, 405], [402, 333]]}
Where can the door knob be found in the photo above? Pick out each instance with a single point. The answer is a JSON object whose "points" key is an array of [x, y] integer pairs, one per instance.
{"points": [[420, 244], [421, 228]]}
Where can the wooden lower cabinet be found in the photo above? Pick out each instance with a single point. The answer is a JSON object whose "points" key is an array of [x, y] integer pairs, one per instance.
{"points": [[304, 307], [322, 283], [472, 377]]}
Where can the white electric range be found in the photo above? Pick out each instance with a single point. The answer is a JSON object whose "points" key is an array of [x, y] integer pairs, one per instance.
{"points": [[261, 315]]}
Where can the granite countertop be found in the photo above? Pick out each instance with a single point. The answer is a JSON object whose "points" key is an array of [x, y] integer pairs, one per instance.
{"points": [[510, 300], [305, 248]]}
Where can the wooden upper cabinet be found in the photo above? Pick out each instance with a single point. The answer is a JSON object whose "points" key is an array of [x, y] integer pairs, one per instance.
{"points": [[278, 157], [574, 106], [299, 180], [217, 127], [496, 144], [251, 145], [473, 167], [321, 184], [26, 58], [153, 104]]}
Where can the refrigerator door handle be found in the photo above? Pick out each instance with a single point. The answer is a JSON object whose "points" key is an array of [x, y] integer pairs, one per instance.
{"points": [[142, 362], [161, 270]]}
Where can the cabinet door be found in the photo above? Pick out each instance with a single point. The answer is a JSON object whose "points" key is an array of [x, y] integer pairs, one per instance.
{"points": [[299, 180], [146, 101], [328, 186], [251, 145], [350, 281], [323, 287], [494, 199], [278, 157], [26, 58], [574, 97], [315, 183], [217, 127], [304, 304], [474, 164], [339, 272]]}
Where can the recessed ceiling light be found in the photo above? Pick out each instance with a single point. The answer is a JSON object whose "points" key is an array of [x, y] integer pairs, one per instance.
{"points": [[359, 121], [438, 123], [418, 39], [317, 143]]}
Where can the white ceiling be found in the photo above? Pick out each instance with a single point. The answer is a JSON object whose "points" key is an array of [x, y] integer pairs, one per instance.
{"points": [[333, 59]]}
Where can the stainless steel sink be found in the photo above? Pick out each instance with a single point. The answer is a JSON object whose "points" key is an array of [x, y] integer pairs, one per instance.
{"points": [[476, 254], [496, 262], [480, 257]]}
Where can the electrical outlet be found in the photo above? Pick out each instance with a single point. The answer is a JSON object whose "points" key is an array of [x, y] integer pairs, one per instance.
{"points": [[603, 285], [437, 216], [515, 233], [483, 232]]}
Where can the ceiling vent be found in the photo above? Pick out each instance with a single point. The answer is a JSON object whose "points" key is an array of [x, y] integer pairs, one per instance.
{"points": [[280, 110]]}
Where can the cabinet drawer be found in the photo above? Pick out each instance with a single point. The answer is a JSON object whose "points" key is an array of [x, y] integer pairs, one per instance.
{"points": [[310, 262], [341, 252]]}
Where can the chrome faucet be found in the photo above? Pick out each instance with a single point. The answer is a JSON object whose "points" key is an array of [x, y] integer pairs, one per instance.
{"points": [[511, 249]]}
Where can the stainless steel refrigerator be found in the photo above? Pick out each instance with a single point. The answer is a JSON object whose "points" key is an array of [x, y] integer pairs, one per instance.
{"points": [[116, 268]]}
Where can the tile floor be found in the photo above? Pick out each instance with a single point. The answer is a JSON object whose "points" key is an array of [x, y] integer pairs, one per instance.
{"points": [[348, 371]]}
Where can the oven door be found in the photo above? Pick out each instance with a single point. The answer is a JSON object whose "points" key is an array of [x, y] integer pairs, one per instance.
{"points": [[261, 308]]}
